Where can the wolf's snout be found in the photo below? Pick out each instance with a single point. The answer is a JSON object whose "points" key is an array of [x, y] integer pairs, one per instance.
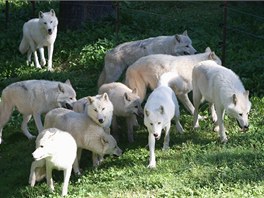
{"points": [[156, 135], [186, 53], [50, 31], [101, 120]]}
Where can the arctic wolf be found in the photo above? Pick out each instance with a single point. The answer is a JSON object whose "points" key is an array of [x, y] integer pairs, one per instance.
{"points": [[87, 134], [38, 33], [146, 72], [34, 97], [160, 108], [55, 149], [122, 56], [222, 88], [126, 104], [99, 108]]}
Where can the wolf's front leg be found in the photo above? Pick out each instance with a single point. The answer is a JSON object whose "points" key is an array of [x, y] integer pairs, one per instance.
{"points": [[38, 122], [42, 57], [67, 175], [49, 177], [151, 143], [50, 54], [166, 143]]}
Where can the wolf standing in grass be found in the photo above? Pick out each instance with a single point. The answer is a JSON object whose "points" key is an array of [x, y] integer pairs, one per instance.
{"points": [[222, 88], [37, 33]]}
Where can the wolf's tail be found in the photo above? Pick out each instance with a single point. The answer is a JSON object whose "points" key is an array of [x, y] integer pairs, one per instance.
{"points": [[23, 47]]}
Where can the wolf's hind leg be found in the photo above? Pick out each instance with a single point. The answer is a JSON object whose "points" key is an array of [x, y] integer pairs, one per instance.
{"points": [[24, 126], [6, 110]]}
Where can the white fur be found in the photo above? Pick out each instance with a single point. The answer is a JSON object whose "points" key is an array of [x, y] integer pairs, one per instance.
{"points": [[99, 108], [38, 33], [55, 149], [122, 56], [126, 104], [34, 97], [87, 134], [160, 108], [222, 88], [146, 72]]}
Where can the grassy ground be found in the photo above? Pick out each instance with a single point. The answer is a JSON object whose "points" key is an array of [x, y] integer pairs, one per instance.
{"points": [[196, 165]]}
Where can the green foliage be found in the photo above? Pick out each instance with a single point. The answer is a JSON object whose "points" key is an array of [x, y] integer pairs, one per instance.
{"points": [[197, 164]]}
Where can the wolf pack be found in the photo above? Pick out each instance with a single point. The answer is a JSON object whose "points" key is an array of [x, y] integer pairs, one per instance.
{"points": [[168, 66]]}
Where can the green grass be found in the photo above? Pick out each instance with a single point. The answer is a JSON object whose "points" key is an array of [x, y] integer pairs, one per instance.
{"points": [[197, 164]]}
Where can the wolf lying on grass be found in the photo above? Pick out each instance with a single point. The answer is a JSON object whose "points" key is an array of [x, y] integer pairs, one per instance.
{"points": [[87, 134], [37, 33], [146, 72], [126, 104], [222, 88], [34, 97], [55, 149], [122, 56]]}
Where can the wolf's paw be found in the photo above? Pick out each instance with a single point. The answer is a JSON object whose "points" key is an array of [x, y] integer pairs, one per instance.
{"points": [[216, 129], [43, 62], [223, 140], [31, 137], [152, 165]]}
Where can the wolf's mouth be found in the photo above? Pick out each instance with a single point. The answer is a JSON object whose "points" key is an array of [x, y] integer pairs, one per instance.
{"points": [[243, 128]]}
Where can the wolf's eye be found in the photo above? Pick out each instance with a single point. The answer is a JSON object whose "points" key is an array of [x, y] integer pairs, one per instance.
{"points": [[51, 21], [45, 23], [187, 46], [41, 146], [151, 124], [136, 106], [240, 114], [103, 109], [159, 123], [95, 110]]}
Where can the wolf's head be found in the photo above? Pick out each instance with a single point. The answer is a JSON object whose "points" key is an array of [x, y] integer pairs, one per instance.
{"points": [[133, 103], [110, 145], [100, 109], [154, 121], [183, 44], [239, 109], [44, 145], [66, 95], [48, 21]]}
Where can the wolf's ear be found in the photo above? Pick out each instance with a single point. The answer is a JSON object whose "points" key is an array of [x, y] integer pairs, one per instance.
{"points": [[212, 56], [126, 97], [41, 14], [104, 141], [246, 93], [52, 12], [185, 33], [105, 97], [146, 112], [61, 88], [161, 109], [90, 100], [234, 99], [208, 49], [68, 82], [134, 91], [178, 38]]}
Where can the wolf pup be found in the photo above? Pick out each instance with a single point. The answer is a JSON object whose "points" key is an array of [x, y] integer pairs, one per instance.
{"points": [[87, 134], [126, 104], [122, 56], [160, 108], [34, 97], [37, 33], [222, 88], [55, 149]]}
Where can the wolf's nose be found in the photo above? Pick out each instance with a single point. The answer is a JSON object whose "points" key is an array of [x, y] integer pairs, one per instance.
{"points": [[155, 135], [49, 31], [101, 121]]}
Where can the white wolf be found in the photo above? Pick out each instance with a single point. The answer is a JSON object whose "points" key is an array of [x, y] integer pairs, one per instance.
{"points": [[99, 108], [55, 149], [126, 104], [222, 87], [160, 108], [122, 56], [146, 72], [87, 134], [38, 33], [34, 97]]}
